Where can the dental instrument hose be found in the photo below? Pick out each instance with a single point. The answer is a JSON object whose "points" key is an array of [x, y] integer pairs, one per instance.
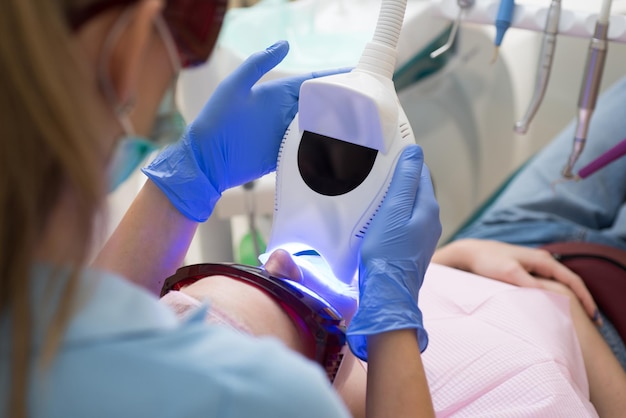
{"points": [[546, 56], [379, 56], [590, 87]]}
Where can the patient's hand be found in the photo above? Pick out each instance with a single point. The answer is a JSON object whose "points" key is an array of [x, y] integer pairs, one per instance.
{"points": [[341, 296], [521, 266]]}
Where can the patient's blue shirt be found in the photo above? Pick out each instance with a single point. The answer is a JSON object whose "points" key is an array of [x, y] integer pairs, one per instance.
{"points": [[126, 355]]}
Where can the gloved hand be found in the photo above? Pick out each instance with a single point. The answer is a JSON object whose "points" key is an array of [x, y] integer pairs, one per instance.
{"points": [[234, 139], [395, 254]]}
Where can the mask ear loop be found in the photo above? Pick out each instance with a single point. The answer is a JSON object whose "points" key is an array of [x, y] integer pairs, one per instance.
{"points": [[171, 115], [122, 110], [104, 77], [170, 45]]}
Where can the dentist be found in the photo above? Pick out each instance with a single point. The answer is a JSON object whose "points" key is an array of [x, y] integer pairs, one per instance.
{"points": [[85, 95]]}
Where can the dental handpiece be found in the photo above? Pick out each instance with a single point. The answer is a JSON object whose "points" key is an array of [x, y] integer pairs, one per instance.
{"points": [[504, 17], [589, 91], [463, 6], [546, 56]]}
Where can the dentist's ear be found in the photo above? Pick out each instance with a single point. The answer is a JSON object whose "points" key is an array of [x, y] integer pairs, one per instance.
{"points": [[131, 48]]}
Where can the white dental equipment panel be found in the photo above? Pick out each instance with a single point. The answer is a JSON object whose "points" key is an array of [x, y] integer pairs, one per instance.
{"points": [[578, 17], [462, 115]]}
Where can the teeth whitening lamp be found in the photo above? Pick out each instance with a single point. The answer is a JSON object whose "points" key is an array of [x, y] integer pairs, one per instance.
{"points": [[339, 153]]}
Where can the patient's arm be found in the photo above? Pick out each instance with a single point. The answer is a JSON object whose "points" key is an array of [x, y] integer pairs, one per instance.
{"points": [[607, 379], [512, 264], [524, 267]]}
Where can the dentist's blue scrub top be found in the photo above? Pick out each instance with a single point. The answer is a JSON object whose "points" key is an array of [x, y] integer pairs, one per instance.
{"points": [[126, 355]]}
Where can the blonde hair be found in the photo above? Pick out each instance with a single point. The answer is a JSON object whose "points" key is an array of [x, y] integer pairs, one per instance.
{"points": [[47, 120]]}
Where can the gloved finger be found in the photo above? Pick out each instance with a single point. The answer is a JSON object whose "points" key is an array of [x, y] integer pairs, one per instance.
{"points": [[258, 64], [290, 88], [322, 73], [426, 204], [402, 192], [294, 82], [426, 187], [425, 196]]}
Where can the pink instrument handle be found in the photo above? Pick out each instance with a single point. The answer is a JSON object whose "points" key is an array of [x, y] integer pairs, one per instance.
{"points": [[603, 160]]}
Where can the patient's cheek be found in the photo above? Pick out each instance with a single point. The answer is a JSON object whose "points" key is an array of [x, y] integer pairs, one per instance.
{"points": [[184, 305], [250, 308], [180, 303]]}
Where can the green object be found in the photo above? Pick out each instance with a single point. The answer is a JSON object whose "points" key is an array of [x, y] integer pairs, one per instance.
{"points": [[247, 253]]}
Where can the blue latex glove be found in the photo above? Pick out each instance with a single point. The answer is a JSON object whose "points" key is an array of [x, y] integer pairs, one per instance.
{"points": [[395, 254], [235, 139]]}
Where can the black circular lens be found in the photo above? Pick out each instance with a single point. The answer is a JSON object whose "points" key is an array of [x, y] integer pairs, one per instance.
{"points": [[332, 167]]}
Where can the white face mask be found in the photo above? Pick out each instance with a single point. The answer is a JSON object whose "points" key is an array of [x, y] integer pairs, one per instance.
{"points": [[132, 149]]}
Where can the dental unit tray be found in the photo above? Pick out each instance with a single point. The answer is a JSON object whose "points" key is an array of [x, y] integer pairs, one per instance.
{"points": [[339, 154], [532, 14]]}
